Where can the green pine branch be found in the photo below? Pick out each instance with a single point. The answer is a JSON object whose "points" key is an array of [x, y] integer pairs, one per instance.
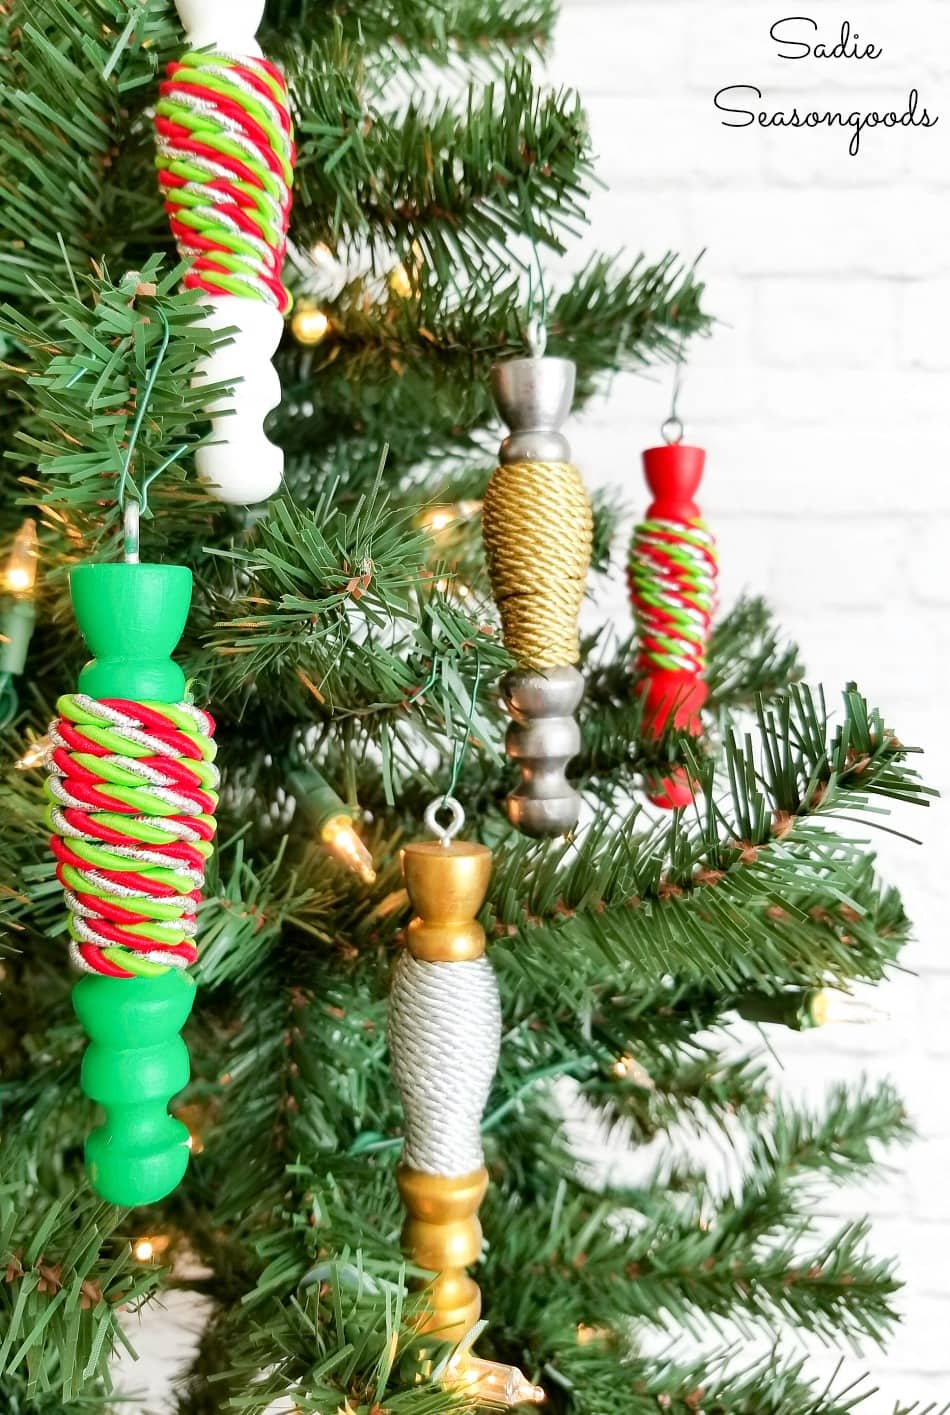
{"points": [[749, 658], [750, 662], [66, 80], [614, 315], [600, 1378], [67, 1275], [445, 32], [750, 887], [362, 174], [108, 404], [682, 1266], [335, 606]]}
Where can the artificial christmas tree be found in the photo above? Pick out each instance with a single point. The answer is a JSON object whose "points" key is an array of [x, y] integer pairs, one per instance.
{"points": [[343, 636]]}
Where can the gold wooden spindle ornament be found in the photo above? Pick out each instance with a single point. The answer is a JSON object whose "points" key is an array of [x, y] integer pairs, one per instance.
{"points": [[443, 1235], [444, 1033]]}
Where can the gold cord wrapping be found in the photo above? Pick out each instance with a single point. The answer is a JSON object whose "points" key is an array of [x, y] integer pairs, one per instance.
{"points": [[538, 528]]}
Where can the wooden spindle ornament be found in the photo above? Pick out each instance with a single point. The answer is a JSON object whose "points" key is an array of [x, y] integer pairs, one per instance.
{"points": [[538, 530], [672, 575], [132, 792], [225, 163], [445, 1030], [444, 1036]]}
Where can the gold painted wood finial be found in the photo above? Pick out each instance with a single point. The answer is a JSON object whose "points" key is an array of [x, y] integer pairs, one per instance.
{"points": [[447, 884], [442, 1234]]}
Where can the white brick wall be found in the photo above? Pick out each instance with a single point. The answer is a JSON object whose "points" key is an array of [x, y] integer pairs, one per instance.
{"points": [[821, 401]]}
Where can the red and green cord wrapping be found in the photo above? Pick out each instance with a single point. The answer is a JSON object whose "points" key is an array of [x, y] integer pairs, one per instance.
{"points": [[225, 165], [673, 571], [132, 791], [672, 577]]}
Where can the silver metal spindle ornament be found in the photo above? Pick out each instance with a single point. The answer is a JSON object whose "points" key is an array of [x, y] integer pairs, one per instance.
{"points": [[538, 530], [543, 738]]}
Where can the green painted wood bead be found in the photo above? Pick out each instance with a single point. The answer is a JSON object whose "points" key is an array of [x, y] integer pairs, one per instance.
{"points": [[134, 1066], [132, 617]]}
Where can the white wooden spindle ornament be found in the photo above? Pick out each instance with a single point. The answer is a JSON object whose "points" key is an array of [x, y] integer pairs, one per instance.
{"points": [[229, 26], [226, 181], [241, 464]]}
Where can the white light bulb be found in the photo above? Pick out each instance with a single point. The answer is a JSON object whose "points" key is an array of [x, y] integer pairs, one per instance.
{"points": [[832, 1007], [343, 843], [37, 754], [19, 574]]}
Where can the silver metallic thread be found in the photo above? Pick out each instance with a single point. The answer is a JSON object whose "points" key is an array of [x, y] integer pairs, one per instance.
{"points": [[444, 1038]]}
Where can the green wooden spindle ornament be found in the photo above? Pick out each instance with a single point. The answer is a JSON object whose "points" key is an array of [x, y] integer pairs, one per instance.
{"points": [[132, 617], [135, 1063]]}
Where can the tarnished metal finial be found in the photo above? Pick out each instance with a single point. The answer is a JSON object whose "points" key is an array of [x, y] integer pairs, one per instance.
{"points": [[534, 398]]}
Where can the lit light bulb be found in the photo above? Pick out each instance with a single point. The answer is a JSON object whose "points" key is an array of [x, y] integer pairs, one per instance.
{"points": [[399, 282], [149, 1247], [395, 900], [193, 1118], [343, 843], [331, 821], [803, 1009], [398, 277], [309, 324], [19, 575], [830, 1007], [36, 754], [628, 1068], [586, 1335], [491, 1380], [438, 518]]}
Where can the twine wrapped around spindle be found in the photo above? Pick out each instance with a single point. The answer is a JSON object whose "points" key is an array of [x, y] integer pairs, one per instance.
{"points": [[444, 1035], [225, 159], [132, 792], [538, 529], [444, 1038], [672, 571]]}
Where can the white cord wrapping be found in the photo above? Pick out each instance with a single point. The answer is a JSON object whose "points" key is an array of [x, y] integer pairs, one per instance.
{"points": [[444, 1036]]}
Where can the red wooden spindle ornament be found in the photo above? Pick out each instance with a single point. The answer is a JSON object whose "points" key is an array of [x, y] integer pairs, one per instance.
{"points": [[672, 576]]}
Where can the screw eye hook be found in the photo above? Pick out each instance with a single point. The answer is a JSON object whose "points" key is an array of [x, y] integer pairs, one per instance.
{"points": [[444, 833], [130, 533]]}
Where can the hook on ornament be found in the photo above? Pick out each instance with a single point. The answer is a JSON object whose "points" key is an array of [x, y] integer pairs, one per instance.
{"points": [[537, 336], [445, 834], [672, 431], [130, 533]]}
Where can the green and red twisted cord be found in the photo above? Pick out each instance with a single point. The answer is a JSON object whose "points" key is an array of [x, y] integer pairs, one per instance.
{"points": [[672, 576], [132, 792], [225, 165]]}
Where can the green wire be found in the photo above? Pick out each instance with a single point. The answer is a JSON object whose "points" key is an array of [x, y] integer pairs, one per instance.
{"points": [[140, 412], [536, 292], [460, 747]]}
